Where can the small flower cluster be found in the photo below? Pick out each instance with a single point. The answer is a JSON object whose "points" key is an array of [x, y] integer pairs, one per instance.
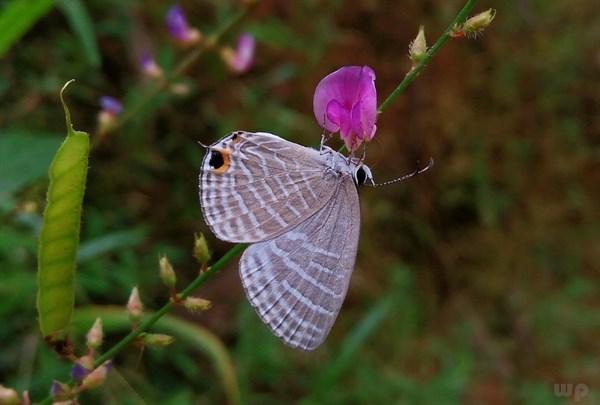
{"points": [[84, 374], [135, 307], [238, 60]]}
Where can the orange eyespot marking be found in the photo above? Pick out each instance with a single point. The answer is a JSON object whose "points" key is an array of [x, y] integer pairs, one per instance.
{"points": [[219, 160]]}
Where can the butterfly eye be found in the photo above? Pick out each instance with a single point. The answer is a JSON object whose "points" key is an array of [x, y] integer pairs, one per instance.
{"points": [[219, 160], [362, 174]]}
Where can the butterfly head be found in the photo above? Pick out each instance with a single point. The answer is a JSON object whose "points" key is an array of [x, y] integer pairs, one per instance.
{"points": [[362, 175]]}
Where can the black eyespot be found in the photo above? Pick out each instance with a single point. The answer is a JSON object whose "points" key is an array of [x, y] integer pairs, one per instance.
{"points": [[216, 159], [234, 137], [360, 177]]}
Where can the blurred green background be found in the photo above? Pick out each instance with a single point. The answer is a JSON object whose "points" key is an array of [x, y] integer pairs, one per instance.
{"points": [[475, 283]]}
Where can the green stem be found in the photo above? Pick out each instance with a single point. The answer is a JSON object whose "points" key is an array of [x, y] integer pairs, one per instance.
{"points": [[149, 322], [410, 77]]}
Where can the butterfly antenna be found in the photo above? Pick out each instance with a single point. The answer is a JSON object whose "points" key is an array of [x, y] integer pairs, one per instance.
{"points": [[406, 176], [203, 145]]}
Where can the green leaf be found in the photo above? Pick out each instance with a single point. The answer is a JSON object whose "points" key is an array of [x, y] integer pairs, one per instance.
{"points": [[24, 158], [17, 17], [81, 23], [350, 346], [110, 242], [59, 238]]}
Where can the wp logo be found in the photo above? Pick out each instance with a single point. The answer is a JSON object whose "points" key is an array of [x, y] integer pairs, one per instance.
{"points": [[575, 391]]}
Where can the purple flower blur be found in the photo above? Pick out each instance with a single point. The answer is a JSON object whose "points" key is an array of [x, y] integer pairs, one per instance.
{"points": [[78, 372], [149, 66], [111, 105], [346, 101], [178, 27], [241, 59], [56, 389]]}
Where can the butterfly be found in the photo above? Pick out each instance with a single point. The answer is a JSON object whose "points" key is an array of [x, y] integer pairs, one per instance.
{"points": [[298, 207]]}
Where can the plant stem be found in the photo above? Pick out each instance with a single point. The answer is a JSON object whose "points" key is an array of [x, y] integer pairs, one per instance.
{"points": [[410, 77], [147, 323]]}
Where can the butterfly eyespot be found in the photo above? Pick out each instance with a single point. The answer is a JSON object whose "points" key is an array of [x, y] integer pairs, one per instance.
{"points": [[235, 138], [219, 160]]}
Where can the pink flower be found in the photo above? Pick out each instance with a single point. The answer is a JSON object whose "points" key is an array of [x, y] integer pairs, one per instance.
{"points": [[346, 101], [241, 59], [178, 27]]}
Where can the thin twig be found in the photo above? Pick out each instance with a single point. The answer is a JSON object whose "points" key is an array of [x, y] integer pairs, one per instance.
{"points": [[410, 77]]}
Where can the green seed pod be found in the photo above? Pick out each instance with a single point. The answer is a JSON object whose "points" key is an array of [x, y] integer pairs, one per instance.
{"points": [[59, 237]]}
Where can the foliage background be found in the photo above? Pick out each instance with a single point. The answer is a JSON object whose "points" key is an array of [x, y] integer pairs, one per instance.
{"points": [[477, 282]]}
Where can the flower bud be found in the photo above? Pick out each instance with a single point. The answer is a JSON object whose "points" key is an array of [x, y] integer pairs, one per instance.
{"points": [[157, 339], [135, 308], [82, 367], [240, 59], [418, 47], [167, 274], [149, 66], [178, 27], [95, 335], [201, 251], [60, 391], [196, 304], [180, 89], [97, 377], [111, 108], [78, 372], [8, 396], [478, 23]]}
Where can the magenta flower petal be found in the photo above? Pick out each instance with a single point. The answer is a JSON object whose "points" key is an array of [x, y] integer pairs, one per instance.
{"points": [[346, 101], [356, 120], [335, 113]]}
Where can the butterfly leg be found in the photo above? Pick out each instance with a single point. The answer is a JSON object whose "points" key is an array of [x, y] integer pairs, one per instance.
{"points": [[325, 136]]}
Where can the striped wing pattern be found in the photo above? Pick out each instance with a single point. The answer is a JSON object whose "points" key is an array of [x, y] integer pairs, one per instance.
{"points": [[298, 280], [269, 186]]}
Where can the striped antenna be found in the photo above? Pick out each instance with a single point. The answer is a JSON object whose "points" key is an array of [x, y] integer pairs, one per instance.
{"points": [[405, 177]]}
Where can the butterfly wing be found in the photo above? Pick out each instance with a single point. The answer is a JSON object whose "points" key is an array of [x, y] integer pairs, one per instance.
{"points": [[254, 186], [297, 281]]}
